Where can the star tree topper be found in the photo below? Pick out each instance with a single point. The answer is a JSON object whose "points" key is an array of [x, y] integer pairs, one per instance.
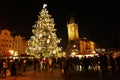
{"points": [[45, 5]]}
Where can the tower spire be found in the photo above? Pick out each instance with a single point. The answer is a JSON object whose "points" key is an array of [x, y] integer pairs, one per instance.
{"points": [[72, 19]]}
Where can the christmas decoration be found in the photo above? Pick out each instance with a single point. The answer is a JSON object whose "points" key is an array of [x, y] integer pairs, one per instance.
{"points": [[44, 42]]}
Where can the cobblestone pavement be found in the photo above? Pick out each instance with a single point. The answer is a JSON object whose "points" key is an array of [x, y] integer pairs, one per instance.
{"points": [[38, 75], [56, 75]]}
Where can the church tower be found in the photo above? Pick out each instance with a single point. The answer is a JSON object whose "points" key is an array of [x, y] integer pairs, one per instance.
{"points": [[72, 27], [73, 36], [75, 44]]}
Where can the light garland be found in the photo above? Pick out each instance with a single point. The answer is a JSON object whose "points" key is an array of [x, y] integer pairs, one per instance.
{"points": [[44, 42]]}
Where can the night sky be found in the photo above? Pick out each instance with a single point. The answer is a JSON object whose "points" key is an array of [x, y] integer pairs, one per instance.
{"points": [[98, 23]]}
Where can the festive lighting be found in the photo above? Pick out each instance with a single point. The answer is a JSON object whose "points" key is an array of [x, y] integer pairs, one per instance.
{"points": [[45, 5], [44, 42]]}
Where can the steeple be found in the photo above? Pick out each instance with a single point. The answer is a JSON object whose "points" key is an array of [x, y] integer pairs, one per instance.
{"points": [[73, 33], [72, 19]]}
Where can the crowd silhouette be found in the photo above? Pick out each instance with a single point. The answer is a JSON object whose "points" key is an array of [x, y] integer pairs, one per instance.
{"points": [[103, 64]]}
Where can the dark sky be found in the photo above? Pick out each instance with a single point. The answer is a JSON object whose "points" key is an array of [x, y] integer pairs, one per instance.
{"points": [[97, 21]]}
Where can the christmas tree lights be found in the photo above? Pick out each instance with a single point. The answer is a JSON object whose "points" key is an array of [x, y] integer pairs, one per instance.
{"points": [[44, 42]]}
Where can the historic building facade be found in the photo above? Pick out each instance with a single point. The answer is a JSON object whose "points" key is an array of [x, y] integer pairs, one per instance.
{"points": [[10, 44], [75, 44], [20, 44]]}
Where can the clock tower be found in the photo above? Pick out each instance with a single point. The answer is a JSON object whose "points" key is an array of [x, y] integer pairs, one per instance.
{"points": [[72, 30], [75, 44], [73, 36]]}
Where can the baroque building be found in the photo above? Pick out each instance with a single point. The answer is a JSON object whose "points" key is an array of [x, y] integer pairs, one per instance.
{"points": [[20, 44], [76, 45], [9, 44], [6, 42]]}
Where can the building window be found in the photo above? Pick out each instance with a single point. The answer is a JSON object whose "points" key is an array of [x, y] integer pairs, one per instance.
{"points": [[2, 45], [5, 33], [9, 45], [3, 40], [6, 45], [10, 41]]}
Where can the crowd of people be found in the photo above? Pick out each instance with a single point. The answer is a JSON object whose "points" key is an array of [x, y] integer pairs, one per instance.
{"points": [[10, 66], [102, 63]]}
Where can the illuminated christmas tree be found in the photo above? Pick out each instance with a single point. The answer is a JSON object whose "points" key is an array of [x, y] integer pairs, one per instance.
{"points": [[44, 42]]}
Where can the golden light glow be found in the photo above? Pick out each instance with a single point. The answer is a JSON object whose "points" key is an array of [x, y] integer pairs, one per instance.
{"points": [[45, 5], [44, 42], [73, 53], [11, 52], [72, 31]]}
